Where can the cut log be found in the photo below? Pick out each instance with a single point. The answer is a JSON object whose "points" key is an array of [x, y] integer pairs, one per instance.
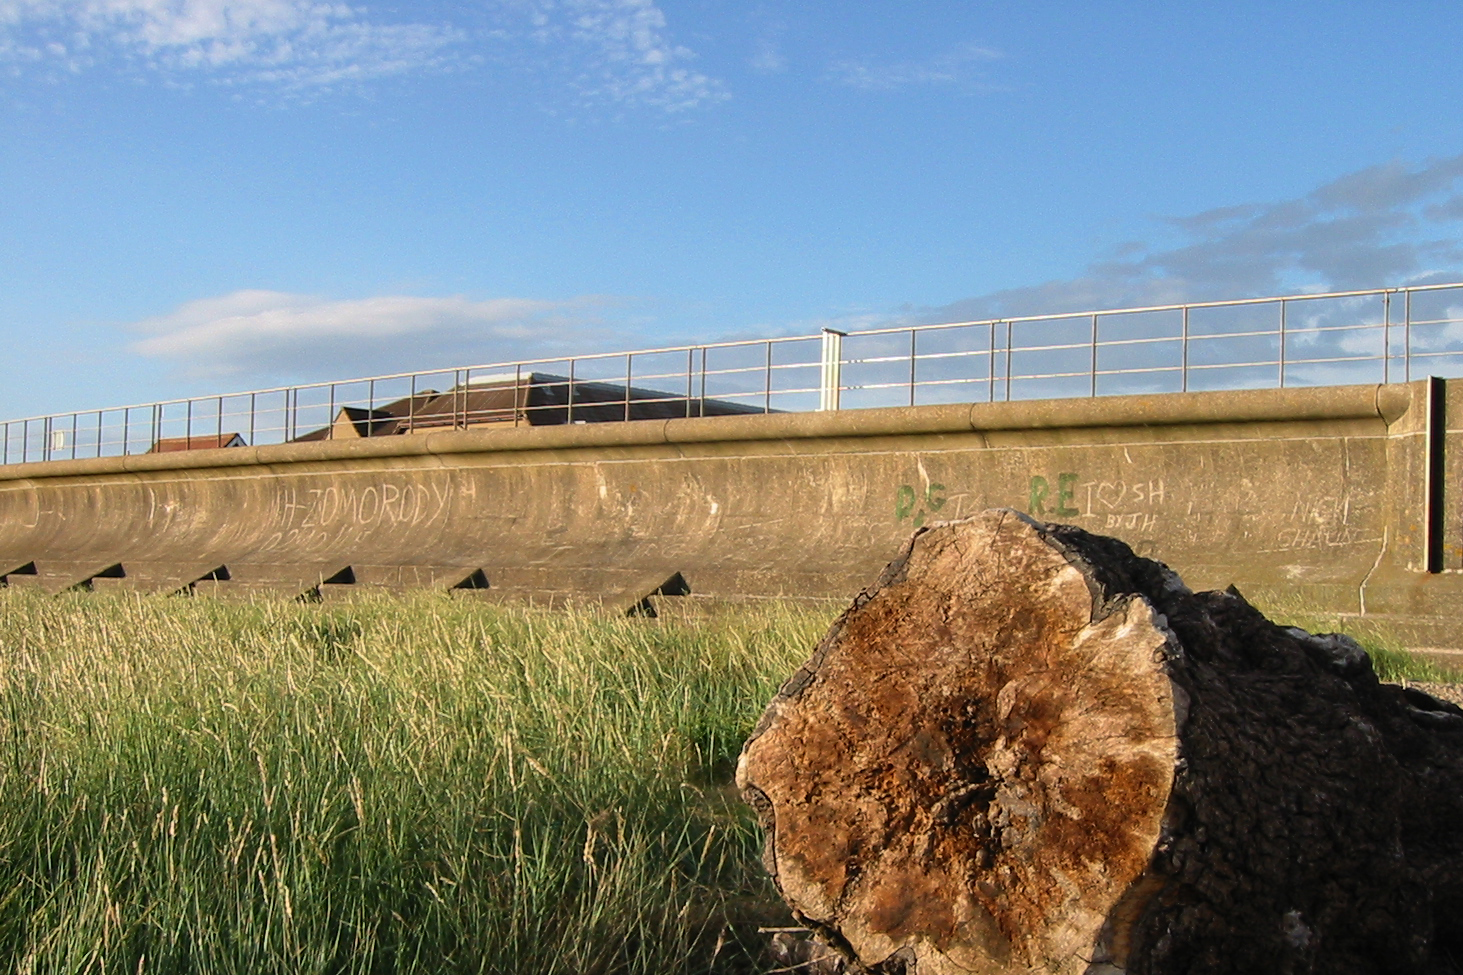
{"points": [[1026, 749]]}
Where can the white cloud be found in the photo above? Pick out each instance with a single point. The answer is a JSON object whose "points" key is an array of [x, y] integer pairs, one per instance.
{"points": [[624, 54], [606, 51], [768, 57], [961, 66], [1380, 226], [277, 335], [293, 43]]}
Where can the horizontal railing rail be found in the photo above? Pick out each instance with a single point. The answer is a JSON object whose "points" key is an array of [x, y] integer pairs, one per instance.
{"points": [[1380, 335]]}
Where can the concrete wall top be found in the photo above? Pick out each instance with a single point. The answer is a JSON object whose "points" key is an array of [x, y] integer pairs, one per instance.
{"points": [[1387, 403]]}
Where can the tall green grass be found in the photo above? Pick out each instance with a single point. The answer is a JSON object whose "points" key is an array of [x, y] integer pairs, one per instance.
{"points": [[394, 786], [1391, 660]]}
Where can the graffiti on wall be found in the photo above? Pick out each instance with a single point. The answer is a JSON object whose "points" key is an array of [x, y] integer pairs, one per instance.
{"points": [[1317, 523], [1121, 506], [314, 516], [1041, 497], [918, 505]]}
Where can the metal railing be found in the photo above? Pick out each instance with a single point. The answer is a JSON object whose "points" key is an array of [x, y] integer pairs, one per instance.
{"points": [[1380, 335]]}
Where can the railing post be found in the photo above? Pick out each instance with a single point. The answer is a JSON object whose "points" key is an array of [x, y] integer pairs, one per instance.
{"points": [[1386, 336], [1093, 391], [629, 375], [252, 404], [569, 402], [330, 419], [1282, 344], [99, 433], [690, 373], [188, 428], [220, 422], [46, 439], [913, 335], [1010, 327], [830, 384], [1407, 336], [1184, 351], [990, 371], [767, 377], [74, 418]]}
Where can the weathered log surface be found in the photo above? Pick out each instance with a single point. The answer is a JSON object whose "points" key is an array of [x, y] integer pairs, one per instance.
{"points": [[1025, 749]]}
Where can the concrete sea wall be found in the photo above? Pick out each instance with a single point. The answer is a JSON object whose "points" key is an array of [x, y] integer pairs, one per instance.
{"points": [[1343, 500]]}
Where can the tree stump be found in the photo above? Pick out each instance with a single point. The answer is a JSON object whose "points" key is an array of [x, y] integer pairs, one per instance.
{"points": [[1026, 749]]}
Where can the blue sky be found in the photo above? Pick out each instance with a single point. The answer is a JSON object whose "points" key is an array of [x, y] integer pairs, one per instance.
{"points": [[202, 195]]}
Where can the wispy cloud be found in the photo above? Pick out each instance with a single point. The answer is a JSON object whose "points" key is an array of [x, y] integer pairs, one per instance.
{"points": [[767, 57], [1381, 226], [962, 66], [276, 335], [623, 53], [617, 52], [291, 43], [767, 54]]}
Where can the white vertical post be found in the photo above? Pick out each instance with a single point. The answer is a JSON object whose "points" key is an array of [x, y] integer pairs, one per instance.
{"points": [[1280, 379], [1184, 348], [1407, 336], [1093, 390], [832, 372], [1386, 336]]}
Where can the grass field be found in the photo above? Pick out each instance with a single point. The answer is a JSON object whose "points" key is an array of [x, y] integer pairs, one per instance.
{"points": [[392, 786], [1390, 659], [399, 786]]}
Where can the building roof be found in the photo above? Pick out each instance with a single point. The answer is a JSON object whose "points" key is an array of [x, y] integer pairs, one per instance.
{"points": [[533, 399], [204, 441]]}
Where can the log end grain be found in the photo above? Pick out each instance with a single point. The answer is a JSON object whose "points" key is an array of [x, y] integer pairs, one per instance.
{"points": [[972, 770]]}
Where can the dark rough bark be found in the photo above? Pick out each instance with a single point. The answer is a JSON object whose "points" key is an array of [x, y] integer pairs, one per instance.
{"points": [[1026, 749]]}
